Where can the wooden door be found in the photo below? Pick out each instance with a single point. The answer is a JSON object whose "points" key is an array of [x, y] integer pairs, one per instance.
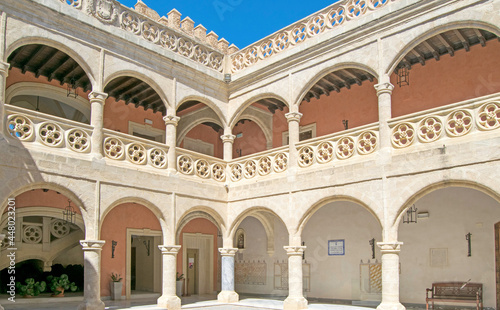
{"points": [[192, 271]]}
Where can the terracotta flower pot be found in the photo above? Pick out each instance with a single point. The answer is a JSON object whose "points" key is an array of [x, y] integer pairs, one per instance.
{"points": [[60, 289]]}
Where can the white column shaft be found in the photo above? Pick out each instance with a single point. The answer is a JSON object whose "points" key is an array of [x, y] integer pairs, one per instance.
{"points": [[92, 275], [97, 100], [169, 299]]}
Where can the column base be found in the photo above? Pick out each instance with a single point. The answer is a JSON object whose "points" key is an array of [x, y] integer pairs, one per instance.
{"points": [[169, 302], [92, 305], [390, 306], [228, 297], [295, 303]]}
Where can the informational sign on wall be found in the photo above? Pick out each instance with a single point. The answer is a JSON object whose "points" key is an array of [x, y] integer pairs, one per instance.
{"points": [[191, 263], [336, 247]]}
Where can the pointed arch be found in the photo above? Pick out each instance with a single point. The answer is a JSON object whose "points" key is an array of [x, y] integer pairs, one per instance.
{"points": [[209, 103], [237, 115]]}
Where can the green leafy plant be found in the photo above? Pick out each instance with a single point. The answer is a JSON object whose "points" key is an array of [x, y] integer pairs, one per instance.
{"points": [[115, 277], [31, 288], [59, 284], [179, 277]]}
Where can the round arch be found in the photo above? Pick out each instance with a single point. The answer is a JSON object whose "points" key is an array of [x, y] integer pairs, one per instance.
{"points": [[141, 201], [254, 212], [440, 185], [237, 115], [340, 66], [321, 203], [187, 129], [55, 44], [268, 133], [199, 212], [140, 76], [221, 121], [435, 31]]}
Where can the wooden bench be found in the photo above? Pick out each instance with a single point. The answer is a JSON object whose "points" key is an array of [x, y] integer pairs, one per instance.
{"points": [[458, 292]]}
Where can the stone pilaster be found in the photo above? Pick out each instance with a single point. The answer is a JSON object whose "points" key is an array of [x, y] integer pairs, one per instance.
{"points": [[390, 276], [97, 100], [228, 140], [293, 119], [4, 71], [295, 299], [227, 294], [171, 122], [92, 275], [384, 93], [169, 299]]}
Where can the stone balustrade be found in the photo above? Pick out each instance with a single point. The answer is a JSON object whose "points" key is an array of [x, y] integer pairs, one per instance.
{"points": [[452, 121], [261, 164], [122, 147], [343, 145], [325, 20], [202, 166], [55, 132]]}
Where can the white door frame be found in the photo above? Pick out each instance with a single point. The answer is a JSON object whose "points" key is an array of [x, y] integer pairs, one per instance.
{"points": [[205, 244]]}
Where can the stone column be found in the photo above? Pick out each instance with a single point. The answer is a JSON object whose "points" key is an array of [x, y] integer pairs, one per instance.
{"points": [[92, 275], [295, 299], [390, 276], [384, 92], [227, 294], [228, 140], [169, 299], [171, 122], [293, 138], [4, 71], [97, 100]]}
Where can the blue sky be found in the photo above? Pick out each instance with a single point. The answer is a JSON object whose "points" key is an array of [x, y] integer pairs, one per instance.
{"points": [[241, 22]]}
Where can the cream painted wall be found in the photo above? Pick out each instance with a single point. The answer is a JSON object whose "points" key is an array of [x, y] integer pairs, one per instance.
{"points": [[453, 212]]}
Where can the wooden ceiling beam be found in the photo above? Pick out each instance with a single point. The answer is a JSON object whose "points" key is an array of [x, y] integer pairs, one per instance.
{"points": [[333, 85], [344, 81], [432, 49], [352, 76], [28, 65], [480, 36], [46, 62], [323, 89], [464, 41], [447, 44], [419, 55]]}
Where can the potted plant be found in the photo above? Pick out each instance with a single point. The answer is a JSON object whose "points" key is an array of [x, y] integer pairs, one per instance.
{"points": [[116, 286], [59, 284], [179, 283], [31, 288]]}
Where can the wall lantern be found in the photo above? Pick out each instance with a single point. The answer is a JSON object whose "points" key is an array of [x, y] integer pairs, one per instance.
{"points": [[72, 91], [411, 215], [69, 213], [469, 243], [372, 244], [227, 78], [403, 73], [345, 122]]}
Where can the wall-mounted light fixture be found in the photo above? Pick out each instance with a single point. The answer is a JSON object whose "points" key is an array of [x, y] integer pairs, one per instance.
{"points": [[403, 73], [345, 122], [69, 213], [468, 237], [411, 215], [372, 244], [227, 78]]}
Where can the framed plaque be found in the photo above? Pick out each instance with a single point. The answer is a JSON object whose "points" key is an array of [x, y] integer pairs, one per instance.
{"points": [[336, 247]]}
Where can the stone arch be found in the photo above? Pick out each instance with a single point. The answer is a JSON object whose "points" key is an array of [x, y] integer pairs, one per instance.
{"points": [[322, 202], [55, 44], [200, 212], [256, 212], [209, 103], [267, 130], [241, 109], [184, 129], [141, 201], [142, 77], [318, 76], [440, 185], [435, 30]]}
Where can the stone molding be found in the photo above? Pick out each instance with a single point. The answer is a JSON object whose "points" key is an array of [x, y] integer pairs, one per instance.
{"points": [[390, 247], [97, 96], [384, 88], [92, 245], [228, 251], [294, 250], [169, 249], [293, 116], [228, 138], [171, 120], [4, 68]]}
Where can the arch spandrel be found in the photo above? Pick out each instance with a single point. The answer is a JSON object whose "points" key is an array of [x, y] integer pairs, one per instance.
{"points": [[240, 108], [257, 212], [217, 107], [203, 212]]}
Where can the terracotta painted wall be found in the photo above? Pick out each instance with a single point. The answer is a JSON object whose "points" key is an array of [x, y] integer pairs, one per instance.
{"points": [[39, 198], [252, 141], [451, 79], [202, 226], [114, 227], [207, 134]]}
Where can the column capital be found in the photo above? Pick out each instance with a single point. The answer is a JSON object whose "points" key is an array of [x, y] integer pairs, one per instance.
{"points": [[92, 245], [169, 249], [390, 247], [171, 120], [97, 96], [294, 250], [293, 116], [384, 88], [228, 138], [4, 67], [228, 251], [2, 236]]}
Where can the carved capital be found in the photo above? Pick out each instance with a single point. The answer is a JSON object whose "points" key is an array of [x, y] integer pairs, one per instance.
{"points": [[390, 247], [384, 88], [97, 96], [293, 116], [294, 250], [2, 236], [4, 68], [228, 138], [171, 120], [92, 245], [228, 251], [169, 249]]}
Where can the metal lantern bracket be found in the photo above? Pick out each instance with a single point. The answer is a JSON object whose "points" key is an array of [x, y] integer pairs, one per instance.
{"points": [[411, 215], [403, 74], [469, 243], [372, 244], [69, 213]]}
